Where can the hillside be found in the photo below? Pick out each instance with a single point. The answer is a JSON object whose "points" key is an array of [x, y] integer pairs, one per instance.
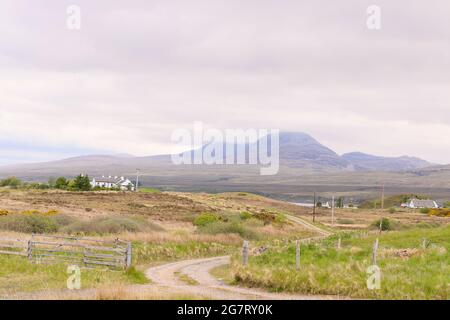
{"points": [[306, 166], [362, 161]]}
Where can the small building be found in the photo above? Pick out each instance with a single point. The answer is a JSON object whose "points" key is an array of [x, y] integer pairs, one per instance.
{"points": [[110, 182], [420, 204], [326, 205]]}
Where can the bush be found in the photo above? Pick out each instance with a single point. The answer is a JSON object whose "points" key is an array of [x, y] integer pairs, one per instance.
{"points": [[385, 224], [32, 223], [392, 210], [205, 218], [110, 225], [12, 182], [4, 212], [439, 212], [425, 210], [61, 183], [220, 227], [244, 215]]}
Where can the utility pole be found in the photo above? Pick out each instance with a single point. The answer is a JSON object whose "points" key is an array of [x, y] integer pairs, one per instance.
{"points": [[382, 198], [137, 180], [314, 208], [332, 210]]}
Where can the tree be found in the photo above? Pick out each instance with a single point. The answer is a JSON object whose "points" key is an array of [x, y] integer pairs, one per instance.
{"points": [[82, 183], [340, 203], [61, 183], [12, 182], [447, 204]]}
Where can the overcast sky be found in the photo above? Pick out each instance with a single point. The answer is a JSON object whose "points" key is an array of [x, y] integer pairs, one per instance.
{"points": [[137, 70]]}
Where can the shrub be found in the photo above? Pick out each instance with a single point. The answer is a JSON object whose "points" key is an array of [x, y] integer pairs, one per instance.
{"points": [[32, 223], [220, 227], [109, 225], [425, 210], [266, 217], [439, 212], [12, 182], [81, 183], [280, 219], [3, 212], [392, 210], [61, 183], [245, 215], [385, 224], [205, 218]]}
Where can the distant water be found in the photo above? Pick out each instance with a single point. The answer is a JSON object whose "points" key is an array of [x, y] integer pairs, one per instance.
{"points": [[303, 204]]}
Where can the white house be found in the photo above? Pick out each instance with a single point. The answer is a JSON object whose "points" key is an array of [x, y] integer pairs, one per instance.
{"points": [[419, 204], [113, 183]]}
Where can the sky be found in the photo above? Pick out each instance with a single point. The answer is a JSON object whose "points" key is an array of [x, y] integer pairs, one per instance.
{"points": [[137, 70]]}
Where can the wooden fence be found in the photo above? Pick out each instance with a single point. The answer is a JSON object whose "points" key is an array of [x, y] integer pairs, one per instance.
{"points": [[73, 250]]}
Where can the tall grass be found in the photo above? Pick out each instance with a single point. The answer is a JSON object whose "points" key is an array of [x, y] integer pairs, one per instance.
{"points": [[17, 274], [418, 273]]}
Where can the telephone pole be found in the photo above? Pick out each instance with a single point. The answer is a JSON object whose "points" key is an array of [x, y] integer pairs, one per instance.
{"points": [[314, 208], [332, 210], [382, 198], [137, 180]]}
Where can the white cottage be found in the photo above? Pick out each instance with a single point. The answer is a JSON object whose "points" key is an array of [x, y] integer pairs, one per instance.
{"points": [[419, 204], [113, 183]]}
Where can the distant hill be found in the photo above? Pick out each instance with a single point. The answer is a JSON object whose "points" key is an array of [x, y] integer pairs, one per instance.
{"points": [[362, 161], [299, 150], [303, 161]]}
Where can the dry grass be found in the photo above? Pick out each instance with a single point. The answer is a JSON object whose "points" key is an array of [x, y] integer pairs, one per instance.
{"points": [[122, 293]]}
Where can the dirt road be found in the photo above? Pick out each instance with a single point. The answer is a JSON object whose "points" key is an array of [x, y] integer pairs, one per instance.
{"points": [[168, 276]]}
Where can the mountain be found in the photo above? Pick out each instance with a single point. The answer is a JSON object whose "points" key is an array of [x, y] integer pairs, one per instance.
{"points": [[300, 154], [362, 161], [299, 150]]}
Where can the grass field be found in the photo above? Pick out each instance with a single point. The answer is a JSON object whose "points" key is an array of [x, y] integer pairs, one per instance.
{"points": [[17, 274], [171, 226], [408, 270]]}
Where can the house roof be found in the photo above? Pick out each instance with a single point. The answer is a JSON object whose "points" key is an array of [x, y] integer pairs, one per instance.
{"points": [[108, 179], [423, 203]]}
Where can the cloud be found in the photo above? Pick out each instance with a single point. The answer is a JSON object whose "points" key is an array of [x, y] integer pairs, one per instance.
{"points": [[137, 70]]}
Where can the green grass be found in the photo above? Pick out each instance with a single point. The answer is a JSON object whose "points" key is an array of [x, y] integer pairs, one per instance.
{"points": [[150, 253], [149, 190], [17, 274], [186, 279], [425, 274]]}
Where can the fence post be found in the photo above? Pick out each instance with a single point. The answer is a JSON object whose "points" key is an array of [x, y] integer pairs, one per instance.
{"points": [[30, 250], [245, 253], [128, 253], [297, 254], [339, 243], [374, 253]]}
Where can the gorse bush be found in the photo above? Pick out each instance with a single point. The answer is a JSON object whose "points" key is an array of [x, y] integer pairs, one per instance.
{"points": [[245, 215], [221, 227], [205, 218], [32, 223], [385, 224], [439, 212]]}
